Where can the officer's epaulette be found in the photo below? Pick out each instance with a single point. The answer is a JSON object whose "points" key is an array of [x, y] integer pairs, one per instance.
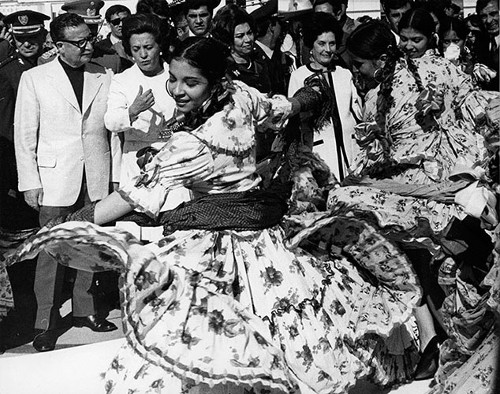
{"points": [[8, 59]]}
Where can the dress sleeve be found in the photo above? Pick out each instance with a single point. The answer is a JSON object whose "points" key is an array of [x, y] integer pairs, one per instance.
{"points": [[268, 112], [460, 82], [182, 161], [356, 102], [470, 101]]}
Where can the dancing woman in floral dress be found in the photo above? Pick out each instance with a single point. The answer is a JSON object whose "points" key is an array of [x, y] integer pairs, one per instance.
{"points": [[219, 303]]}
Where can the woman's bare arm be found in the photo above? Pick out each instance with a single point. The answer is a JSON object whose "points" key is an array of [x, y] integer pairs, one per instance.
{"points": [[111, 208]]}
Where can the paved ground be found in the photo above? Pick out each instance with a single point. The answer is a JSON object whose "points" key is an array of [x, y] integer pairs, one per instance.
{"points": [[72, 336]]}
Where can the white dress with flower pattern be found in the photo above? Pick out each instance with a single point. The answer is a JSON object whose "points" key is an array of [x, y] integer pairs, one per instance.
{"points": [[451, 146], [452, 143], [238, 311]]}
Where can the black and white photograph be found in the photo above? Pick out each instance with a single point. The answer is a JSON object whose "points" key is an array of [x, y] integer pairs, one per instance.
{"points": [[249, 197]]}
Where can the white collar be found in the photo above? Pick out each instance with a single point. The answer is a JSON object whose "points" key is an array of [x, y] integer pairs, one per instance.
{"points": [[268, 51], [113, 39]]}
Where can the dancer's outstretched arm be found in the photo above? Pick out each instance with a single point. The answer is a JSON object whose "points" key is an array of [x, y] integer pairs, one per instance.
{"points": [[111, 208]]}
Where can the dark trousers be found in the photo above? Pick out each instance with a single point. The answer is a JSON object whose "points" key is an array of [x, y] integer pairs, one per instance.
{"points": [[49, 277]]}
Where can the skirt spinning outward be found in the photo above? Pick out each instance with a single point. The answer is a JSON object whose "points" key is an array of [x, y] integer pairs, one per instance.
{"points": [[233, 310]]}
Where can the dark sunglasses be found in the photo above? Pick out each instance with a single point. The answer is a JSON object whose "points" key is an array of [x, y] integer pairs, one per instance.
{"points": [[81, 44], [116, 22]]}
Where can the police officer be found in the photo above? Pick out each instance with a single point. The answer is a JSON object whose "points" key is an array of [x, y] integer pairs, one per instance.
{"points": [[28, 35], [27, 29]]}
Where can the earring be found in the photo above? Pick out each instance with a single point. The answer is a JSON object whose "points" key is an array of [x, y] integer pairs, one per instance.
{"points": [[378, 75], [167, 87]]}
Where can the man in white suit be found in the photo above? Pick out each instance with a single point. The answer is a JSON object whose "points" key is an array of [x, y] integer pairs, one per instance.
{"points": [[63, 160]]}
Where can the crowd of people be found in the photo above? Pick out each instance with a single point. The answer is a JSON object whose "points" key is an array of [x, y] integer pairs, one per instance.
{"points": [[327, 190]]}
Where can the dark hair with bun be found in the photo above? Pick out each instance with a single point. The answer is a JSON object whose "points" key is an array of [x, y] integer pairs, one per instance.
{"points": [[371, 40], [206, 54]]}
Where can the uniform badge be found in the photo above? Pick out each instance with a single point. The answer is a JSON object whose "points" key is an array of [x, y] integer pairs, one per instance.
{"points": [[23, 19], [91, 11]]}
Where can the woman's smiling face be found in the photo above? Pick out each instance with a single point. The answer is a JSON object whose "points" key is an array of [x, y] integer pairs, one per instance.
{"points": [[324, 49], [188, 86]]}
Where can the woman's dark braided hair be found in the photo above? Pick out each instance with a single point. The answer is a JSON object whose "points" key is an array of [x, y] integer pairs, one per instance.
{"points": [[422, 21], [372, 41], [385, 98]]}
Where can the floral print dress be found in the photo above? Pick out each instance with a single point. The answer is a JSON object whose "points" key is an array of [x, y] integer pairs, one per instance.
{"points": [[439, 143], [10, 241], [449, 140], [239, 311], [6, 297]]}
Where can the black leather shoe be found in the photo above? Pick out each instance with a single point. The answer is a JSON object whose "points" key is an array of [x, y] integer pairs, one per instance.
{"points": [[45, 341], [429, 361], [97, 324]]}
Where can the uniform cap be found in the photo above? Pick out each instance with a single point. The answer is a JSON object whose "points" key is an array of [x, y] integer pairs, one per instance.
{"points": [[87, 9], [26, 23]]}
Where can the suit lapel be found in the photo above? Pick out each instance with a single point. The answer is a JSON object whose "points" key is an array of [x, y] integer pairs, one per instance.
{"points": [[61, 83], [92, 82]]}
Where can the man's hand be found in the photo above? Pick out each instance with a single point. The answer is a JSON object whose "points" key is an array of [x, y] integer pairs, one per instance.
{"points": [[33, 198]]}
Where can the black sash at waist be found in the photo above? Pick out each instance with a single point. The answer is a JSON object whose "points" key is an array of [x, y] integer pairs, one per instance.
{"points": [[249, 210]]}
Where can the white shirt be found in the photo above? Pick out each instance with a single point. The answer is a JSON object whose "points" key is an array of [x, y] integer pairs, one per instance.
{"points": [[268, 51], [113, 39], [144, 130]]}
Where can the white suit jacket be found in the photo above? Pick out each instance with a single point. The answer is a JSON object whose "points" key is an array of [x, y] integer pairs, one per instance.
{"points": [[55, 141]]}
